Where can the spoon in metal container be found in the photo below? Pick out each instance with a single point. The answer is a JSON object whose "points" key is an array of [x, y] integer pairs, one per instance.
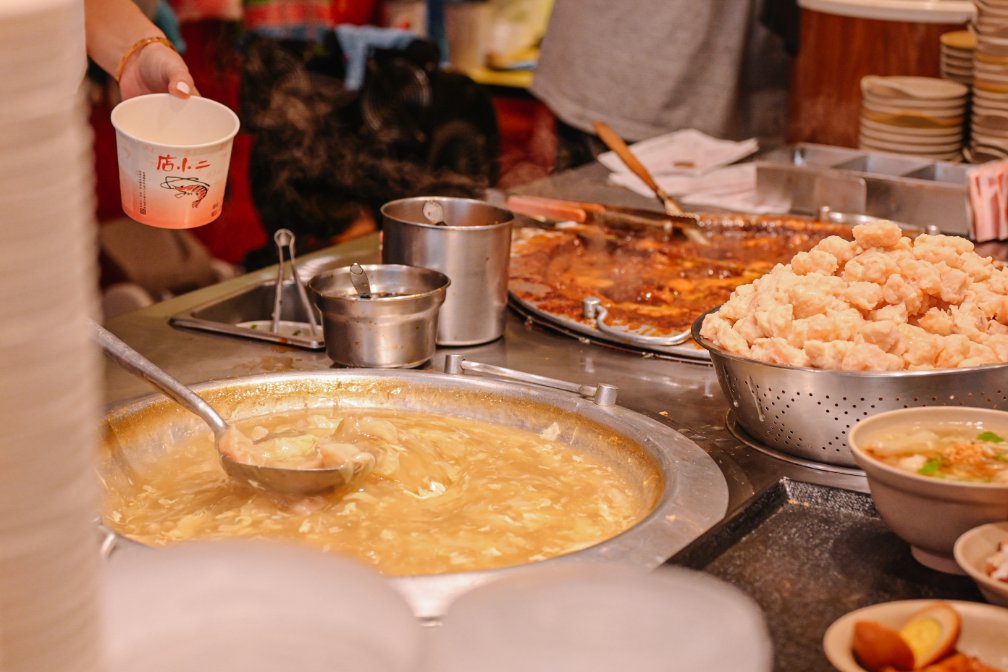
{"points": [[279, 479], [433, 212], [360, 281]]}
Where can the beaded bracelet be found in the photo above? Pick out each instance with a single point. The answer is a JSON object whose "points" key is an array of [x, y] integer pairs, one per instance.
{"points": [[137, 46]]}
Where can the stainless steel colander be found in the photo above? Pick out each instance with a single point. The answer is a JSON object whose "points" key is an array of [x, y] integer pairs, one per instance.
{"points": [[807, 412]]}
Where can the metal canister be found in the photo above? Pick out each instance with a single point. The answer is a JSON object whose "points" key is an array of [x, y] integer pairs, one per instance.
{"points": [[394, 327], [472, 247]]}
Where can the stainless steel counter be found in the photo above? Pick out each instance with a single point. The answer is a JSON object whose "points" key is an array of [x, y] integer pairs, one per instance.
{"points": [[681, 394]]}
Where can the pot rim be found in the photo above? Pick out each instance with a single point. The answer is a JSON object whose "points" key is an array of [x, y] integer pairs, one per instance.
{"points": [[439, 277], [507, 217]]}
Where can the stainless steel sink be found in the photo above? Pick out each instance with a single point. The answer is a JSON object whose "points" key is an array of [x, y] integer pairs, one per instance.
{"points": [[248, 313]]}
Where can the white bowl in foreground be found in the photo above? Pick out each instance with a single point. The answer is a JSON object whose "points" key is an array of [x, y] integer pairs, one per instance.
{"points": [[927, 512], [971, 552], [982, 636]]}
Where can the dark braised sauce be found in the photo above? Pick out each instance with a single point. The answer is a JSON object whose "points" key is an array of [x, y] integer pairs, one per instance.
{"points": [[653, 280]]}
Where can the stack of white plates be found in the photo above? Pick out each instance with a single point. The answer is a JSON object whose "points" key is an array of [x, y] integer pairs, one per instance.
{"points": [[989, 123], [957, 49], [49, 400], [598, 618], [919, 116], [245, 606]]}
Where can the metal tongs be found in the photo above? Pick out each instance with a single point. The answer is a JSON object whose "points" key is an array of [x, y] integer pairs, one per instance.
{"points": [[687, 222], [285, 238], [599, 214]]}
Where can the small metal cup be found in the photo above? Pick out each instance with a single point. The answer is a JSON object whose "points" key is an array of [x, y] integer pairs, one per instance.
{"points": [[395, 328], [472, 248]]}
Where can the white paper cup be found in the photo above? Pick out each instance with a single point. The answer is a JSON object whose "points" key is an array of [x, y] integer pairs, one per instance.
{"points": [[173, 158]]}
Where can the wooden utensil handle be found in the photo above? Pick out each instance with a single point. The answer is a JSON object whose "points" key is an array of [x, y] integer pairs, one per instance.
{"points": [[616, 144]]}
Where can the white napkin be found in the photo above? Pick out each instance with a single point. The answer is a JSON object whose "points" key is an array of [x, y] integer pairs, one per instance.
{"points": [[731, 188], [686, 152], [694, 167]]}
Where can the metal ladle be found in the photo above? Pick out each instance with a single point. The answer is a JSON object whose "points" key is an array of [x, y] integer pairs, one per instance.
{"points": [[278, 479]]}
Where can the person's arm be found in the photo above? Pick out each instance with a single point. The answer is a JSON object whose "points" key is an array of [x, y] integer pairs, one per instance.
{"points": [[114, 29]]}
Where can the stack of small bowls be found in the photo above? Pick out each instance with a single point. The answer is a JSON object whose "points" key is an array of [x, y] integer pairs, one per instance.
{"points": [[989, 123], [918, 116], [957, 49]]}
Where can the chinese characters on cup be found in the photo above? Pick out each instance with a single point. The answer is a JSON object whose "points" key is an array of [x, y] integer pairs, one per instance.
{"points": [[183, 185]]}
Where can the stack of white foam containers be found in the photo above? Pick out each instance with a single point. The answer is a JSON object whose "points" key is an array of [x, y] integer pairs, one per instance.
{"points": [[49, 376]]}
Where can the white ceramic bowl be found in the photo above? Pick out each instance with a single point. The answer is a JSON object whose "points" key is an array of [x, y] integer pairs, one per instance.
{"points": [[869, 139], [950, 132], [921, 88], [926, 512], [971, 552], [983, 628], [927, 143]]}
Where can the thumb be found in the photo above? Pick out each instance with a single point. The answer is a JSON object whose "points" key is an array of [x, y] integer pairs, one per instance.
{"points": [[180, 84], [163, 69]]}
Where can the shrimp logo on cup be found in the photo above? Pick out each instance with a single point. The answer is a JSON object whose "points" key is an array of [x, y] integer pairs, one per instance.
{"points": [[173, 158]]}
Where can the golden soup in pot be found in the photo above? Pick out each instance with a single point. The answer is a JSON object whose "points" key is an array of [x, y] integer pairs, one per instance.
{"points": [[446, 494]]}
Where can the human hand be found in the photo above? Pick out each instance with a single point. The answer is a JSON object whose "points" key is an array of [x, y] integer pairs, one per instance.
{"points": [[156, 68]]}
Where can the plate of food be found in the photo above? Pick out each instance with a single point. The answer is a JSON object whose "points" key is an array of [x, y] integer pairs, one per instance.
{"points": [[931, 635], [983, 554]]}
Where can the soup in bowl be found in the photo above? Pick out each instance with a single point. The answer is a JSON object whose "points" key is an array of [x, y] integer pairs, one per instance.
{"points": [[935, 472]]}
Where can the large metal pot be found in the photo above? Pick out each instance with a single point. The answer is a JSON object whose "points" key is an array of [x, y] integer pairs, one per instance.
{"points": [[690, 492]]}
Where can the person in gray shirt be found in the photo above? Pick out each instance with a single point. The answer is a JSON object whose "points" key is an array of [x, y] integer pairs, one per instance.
{"points": [[649, 67]]}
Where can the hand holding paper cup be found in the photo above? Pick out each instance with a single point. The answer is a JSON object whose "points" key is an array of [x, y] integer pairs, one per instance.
{"points": [[173, 158]]}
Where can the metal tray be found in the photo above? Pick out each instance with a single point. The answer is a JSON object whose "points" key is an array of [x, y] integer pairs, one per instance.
{"points": [[235, 315], [920, 191], [809, 554], [587, 332]]}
